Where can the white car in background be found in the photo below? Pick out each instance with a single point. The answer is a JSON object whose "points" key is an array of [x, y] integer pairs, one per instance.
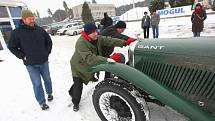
{"points": [[75, 30], [69, 26]]}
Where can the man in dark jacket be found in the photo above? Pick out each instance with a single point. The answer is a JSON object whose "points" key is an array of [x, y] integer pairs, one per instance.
{"points": [[145, 24], [114, 31], [106, 21], [33, 45]]}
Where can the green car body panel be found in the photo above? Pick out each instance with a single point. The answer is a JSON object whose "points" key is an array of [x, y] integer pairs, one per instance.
{"points": [[178, 72], [156, 89]]}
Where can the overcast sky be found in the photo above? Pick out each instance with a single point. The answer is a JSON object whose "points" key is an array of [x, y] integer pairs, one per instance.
{"points": [[43, 5]]}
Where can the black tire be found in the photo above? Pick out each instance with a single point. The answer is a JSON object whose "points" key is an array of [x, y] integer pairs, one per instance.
{"points": [[75, 33], [114, 102], [64, 32]]}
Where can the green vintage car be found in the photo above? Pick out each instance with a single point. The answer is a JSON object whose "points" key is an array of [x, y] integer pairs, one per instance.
{"points": [[179, 73]]}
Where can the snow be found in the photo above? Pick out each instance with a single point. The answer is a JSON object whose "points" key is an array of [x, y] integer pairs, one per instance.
{"points": [[174, 28], [17, 98]]}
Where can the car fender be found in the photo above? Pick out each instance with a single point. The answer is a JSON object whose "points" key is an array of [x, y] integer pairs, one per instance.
{"points": [[154, 88]]}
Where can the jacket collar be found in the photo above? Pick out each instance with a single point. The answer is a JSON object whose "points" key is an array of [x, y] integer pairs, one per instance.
{"points": [[23, 25], [84, 34]]}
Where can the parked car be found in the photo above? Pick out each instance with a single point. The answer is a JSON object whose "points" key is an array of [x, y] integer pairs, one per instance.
{"points": [[75, 30], [45, 27], [68, 26], [53, 29]]}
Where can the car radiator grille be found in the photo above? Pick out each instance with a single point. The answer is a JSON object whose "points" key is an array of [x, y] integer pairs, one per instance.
{"points": [[197, 85]]}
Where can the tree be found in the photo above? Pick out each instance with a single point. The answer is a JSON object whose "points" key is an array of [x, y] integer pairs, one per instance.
{"points": [[66, 8], [213, 6], [70, 13], [59, 15], [157, 5], [34, 14], [172, 3], [38, 14], [50, 12], [178, 3], [86, 14]]}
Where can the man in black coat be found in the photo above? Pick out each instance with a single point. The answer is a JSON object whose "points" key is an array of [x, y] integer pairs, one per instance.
{"points": [[114, 31], [146, 24], [33, 45], [106, 21]]}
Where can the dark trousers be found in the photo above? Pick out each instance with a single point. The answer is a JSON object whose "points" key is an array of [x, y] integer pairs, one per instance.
{"points": [[75, 90], [196, 34], [146, 32], [107, 75]]}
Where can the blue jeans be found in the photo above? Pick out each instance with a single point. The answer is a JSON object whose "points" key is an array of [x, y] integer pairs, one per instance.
{"points": [[35, 72], [155, 30], [196, 34]]}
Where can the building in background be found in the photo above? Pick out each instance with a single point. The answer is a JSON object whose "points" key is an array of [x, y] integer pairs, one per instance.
{"points": [[97, 10], [10, 15]]}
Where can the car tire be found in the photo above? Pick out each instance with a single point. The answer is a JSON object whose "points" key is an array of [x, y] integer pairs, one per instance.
{"points": [[75, 33], [64, 32], [114, 102]]}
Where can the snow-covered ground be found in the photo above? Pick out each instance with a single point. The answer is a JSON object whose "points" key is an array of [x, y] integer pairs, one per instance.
{"points": [[174, 28], [17, 99]]}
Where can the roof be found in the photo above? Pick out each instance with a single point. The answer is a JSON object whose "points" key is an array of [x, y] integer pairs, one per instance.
{"points": [[12, 3]]}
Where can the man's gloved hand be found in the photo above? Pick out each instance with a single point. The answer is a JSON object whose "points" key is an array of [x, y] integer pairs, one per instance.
{"points": [[116, 57], [110, 60], [129, 41]]}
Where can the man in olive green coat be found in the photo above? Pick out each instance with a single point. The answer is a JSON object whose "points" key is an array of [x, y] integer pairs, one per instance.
{"points": [[88, 53]]}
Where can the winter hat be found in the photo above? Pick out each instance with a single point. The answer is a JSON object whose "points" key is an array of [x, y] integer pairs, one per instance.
{"points": [[89, 28], [27, 13], [105, 14], [120, 24]]}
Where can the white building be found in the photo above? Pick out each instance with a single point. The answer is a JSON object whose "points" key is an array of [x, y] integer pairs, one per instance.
{"points": [[10, 15], [97, 10]]}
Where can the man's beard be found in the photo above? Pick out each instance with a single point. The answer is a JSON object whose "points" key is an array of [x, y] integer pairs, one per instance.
{"points": [[31, 24]]}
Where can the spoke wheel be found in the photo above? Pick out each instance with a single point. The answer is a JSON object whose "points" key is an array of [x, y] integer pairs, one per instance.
{"points": [[113, 102]]}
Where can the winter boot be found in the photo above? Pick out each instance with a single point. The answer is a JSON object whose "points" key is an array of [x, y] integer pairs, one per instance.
{"points": [[44, 106], [50, 97], [76, 108]]}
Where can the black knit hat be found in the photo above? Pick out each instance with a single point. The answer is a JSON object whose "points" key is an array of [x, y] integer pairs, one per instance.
{"points": [[89, 28], [120, 24]]}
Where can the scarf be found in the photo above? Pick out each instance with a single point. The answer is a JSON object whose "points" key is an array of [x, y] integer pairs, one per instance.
{"points": [[198, 11], [84, 34]]}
